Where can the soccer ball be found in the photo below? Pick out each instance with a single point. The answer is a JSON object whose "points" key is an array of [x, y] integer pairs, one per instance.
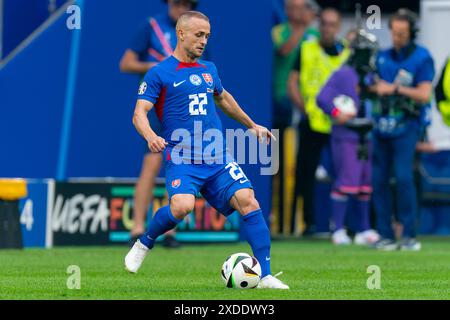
{"points": [[241, 270], [345, 104]]}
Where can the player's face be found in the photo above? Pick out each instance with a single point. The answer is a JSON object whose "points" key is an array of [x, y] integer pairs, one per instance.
{"points": [[330, 25], [400, 33], [196, 37]]}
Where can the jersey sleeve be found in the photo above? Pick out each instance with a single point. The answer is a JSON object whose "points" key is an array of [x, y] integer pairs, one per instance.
{"points": [[150, 87], [426, 70], [218, 88], [331, 89], [277, 36], [140, 43]]}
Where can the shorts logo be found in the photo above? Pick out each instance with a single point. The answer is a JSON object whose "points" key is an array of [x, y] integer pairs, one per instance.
{"points": [[195, 80], [142, 88], [176, 183], [208, 78]]}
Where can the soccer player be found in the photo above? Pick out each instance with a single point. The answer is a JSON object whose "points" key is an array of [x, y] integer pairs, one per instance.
{"points": [[184, 91], [347, 89], [154, 41]]}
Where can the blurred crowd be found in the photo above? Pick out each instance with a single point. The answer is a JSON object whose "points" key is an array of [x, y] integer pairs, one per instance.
{"points": [[367, 107]]}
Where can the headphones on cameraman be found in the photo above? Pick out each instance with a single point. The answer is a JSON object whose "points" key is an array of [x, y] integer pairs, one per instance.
{"points": [[411, 17]]}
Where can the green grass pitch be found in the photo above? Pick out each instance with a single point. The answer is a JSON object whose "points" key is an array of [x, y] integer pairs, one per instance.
{"points": [[313, 270]]}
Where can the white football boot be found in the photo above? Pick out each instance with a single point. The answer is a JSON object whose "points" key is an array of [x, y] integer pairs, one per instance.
{"points": [[135, 257], [271, 282], [367, 237], [340, 237]]}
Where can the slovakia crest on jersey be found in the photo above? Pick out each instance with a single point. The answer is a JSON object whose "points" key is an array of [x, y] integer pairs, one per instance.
{"points": [[208, 79], [176, 183]]}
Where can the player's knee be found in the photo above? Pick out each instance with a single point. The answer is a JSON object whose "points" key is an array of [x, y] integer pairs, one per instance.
{"points": [[180, 207], [249, 204]]}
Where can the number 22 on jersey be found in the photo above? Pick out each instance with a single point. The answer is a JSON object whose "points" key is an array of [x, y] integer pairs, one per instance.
{"points": [[198, 101]]}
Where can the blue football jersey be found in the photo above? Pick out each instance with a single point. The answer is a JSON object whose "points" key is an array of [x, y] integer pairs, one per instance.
{"points": [[156, 38], [408, 69], [183, 98]]}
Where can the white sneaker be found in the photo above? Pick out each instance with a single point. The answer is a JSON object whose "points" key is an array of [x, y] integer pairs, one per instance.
{"points": [[367, 237], [135, 257], [340, 237], [271, 282], [410, 244]]}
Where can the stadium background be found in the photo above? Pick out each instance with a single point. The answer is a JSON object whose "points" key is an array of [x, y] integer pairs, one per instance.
{"points": [[66, 108]]}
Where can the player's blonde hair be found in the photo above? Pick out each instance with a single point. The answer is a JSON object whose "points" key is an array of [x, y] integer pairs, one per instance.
{"points": [[185, 17]]}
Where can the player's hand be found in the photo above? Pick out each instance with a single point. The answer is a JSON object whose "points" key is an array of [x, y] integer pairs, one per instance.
{"points": [[383, 88], [426, 147], [157, 144], [262, 133], [343, 118]]}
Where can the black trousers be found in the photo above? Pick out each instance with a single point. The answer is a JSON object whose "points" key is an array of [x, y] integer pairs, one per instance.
{"points": [[308, 157]]}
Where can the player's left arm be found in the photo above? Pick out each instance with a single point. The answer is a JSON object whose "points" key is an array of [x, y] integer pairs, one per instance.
{"points": [[231, 108]]}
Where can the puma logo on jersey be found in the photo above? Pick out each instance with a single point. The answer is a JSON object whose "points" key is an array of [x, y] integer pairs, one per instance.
{"points": [[179, 83]]}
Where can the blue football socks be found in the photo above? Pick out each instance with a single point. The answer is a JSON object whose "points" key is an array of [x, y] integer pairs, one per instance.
{"points": [[162, 221], [258, 236]]}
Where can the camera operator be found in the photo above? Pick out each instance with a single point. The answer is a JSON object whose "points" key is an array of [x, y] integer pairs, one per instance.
{"points": [[404, 90]]}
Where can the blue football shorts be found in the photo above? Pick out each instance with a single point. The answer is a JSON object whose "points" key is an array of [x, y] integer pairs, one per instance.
{"points": [[217, 183]]}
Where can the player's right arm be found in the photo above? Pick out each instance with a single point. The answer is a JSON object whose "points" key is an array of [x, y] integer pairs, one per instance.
{"points": [[149, 92], [140, 120]]}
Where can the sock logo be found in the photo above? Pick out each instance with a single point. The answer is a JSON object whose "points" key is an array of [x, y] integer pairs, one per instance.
{"points": [[267, 258]]}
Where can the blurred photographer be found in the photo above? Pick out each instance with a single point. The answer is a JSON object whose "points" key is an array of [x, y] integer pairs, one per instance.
{"points": [[401, 111]]}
